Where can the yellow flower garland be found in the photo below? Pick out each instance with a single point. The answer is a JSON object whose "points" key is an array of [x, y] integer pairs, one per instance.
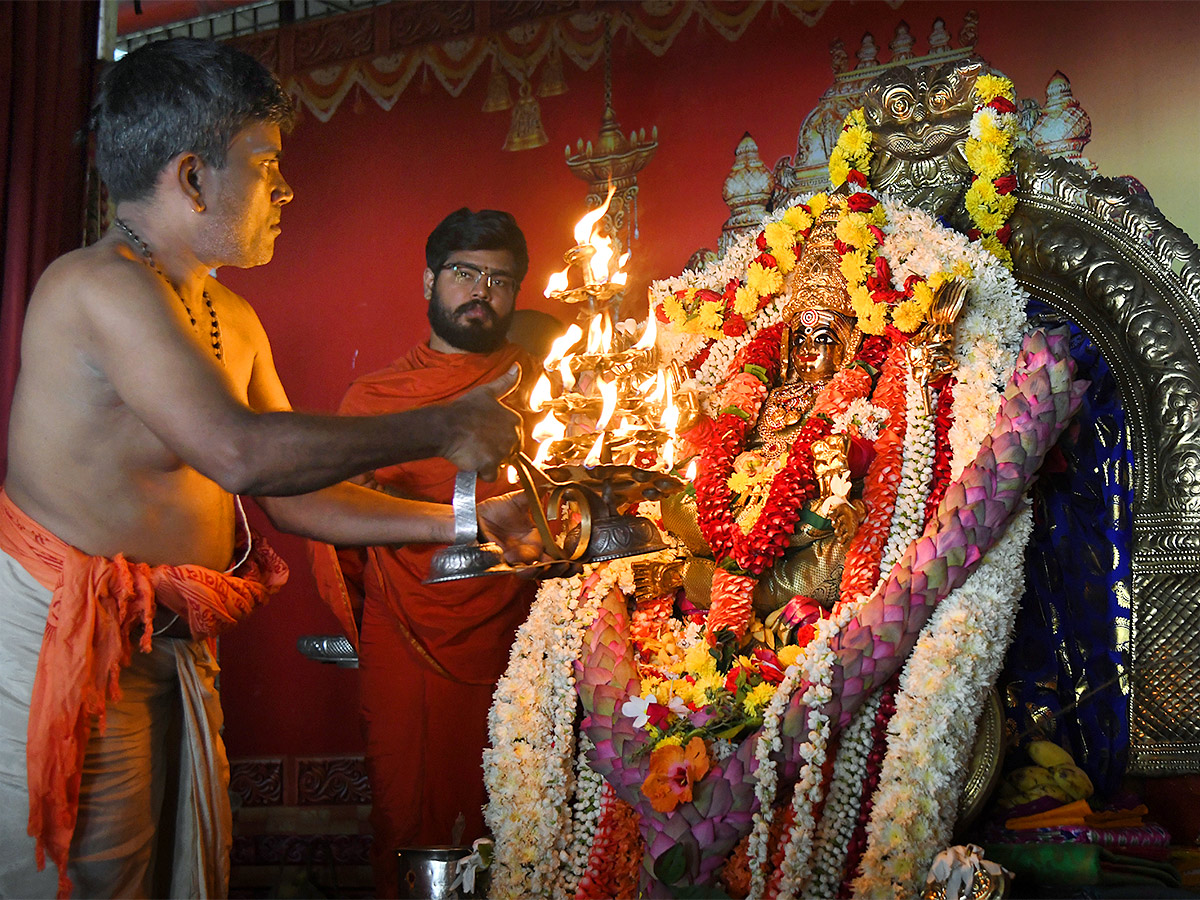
{"points": [[989, 152]]}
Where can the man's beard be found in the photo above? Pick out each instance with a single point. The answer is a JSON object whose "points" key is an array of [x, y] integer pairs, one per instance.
{"points": [[471, 336]]}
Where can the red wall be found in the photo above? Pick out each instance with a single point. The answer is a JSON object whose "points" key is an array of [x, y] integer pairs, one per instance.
{"points": [[343, 295]]}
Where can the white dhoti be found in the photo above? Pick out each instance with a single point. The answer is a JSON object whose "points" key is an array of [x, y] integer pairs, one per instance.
{"points": [[154, 813]]}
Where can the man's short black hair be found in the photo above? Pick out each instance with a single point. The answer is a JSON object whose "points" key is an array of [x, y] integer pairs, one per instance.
{"points": [[182, 95], [488, 229]]}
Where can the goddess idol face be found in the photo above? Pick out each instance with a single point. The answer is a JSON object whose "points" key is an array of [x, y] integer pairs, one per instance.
{"points": [[817, 346]]}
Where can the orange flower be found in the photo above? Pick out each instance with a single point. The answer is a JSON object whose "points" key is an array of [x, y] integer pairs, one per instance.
{"points": [[673, 771]]}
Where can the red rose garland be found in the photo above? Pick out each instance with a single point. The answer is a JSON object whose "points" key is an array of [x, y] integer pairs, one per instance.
{"points": [[861, 569], [794, 485], [941, 443]]}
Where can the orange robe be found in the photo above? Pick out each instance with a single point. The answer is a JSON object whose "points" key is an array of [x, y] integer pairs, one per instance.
{"points": [[429, 656], [96, 605]]}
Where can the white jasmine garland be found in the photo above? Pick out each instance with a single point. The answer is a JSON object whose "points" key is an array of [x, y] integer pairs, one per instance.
{"points": [[529, 769], [916, 472], [816, 666], [845, 798], [931, 736], [586, 811]]}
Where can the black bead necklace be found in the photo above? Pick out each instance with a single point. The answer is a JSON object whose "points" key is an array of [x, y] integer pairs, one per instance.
{"points": [[150, 261]]}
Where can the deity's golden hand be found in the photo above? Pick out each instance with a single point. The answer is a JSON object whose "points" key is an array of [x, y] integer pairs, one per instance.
{"points": [[931, 350], [831, 467], [846, 516]]}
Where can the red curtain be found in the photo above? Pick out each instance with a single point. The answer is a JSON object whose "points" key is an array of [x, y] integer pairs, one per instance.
{"points": [[47, 66]]}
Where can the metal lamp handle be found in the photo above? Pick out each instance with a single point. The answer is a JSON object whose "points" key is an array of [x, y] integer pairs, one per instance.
{"points": [[466, 522], [525, 471]]}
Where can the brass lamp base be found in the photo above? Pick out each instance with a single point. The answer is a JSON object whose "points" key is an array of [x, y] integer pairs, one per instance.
{"points": [[616, 536], [459, 561]]}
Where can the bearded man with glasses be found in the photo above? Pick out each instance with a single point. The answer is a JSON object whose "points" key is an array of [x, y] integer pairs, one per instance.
{"points": [[430, 656]]}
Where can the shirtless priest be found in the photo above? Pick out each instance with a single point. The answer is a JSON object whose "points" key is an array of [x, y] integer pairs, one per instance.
{"points": [[147, 402]]}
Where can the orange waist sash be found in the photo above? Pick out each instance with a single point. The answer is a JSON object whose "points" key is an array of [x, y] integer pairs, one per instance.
{"points": [[95, 606]]}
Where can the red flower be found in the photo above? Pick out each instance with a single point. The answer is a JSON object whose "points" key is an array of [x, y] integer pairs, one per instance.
{"points": [[1003, 105], [860, 202], [860, 457], [766, 260], [731, 679], [704, 295], [730, 293], [761, 242], [1006, 184], [891, 298], [841, 246], [768, 665], [882, 279], [734, 325], [858, 179], [1004, 234], [661, 314], [657, 714], [974, 234], [911, 281]]}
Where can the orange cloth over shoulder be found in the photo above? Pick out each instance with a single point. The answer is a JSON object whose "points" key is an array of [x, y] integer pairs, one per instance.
{"points": [[96, 604], [453, 626]]}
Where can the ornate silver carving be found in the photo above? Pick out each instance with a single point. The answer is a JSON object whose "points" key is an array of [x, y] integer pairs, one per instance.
{"points": [[1109, 260], [1101, 253]]}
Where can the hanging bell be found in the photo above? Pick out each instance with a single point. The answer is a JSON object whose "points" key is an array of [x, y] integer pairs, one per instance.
{"points": [[525, 132], [497, 91], [553, 82]]}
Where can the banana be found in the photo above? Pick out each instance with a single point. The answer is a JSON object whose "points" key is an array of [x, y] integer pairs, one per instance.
{"points": [[1048, 754], [1073, 780], [1028, 778]]}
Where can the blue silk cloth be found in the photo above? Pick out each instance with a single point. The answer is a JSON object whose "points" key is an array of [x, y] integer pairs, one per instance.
{"points": [[1066, 674]]}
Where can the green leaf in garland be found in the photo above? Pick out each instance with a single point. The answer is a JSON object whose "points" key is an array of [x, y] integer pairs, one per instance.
{"points": [[740, 413], [758, 372], [672, 865]]}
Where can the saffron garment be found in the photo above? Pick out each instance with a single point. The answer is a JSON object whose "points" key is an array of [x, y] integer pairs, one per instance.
{"points": [[429, 656], [95, 740]]}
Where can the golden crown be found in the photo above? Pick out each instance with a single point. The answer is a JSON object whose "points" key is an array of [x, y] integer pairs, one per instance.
{"points": [[816, 282]]}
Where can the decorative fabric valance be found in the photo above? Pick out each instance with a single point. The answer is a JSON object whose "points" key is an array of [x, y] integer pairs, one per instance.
{"points": [[383, 48]]}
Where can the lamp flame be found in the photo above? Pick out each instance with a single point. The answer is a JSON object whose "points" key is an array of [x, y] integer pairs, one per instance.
{"points": [[593, 457], [562, 344], [541, 394], [608, 390], [559, 281], [649, 335], [584, 227]]}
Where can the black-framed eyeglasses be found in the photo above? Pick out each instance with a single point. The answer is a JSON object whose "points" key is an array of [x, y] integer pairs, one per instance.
{"points": [[468, 276]]}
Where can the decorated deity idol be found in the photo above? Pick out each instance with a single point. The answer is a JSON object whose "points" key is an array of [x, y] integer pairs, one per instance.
{"points": [[708, 752], [819, 340]]}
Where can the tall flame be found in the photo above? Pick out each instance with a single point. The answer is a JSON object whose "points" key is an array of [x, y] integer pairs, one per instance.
{"points": [[608, 390], [593, 333], [649, 335], [583, 228], [540, 395]]}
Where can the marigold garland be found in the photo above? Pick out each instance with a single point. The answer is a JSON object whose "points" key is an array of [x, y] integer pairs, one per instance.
{"points": [[989, 200]]}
